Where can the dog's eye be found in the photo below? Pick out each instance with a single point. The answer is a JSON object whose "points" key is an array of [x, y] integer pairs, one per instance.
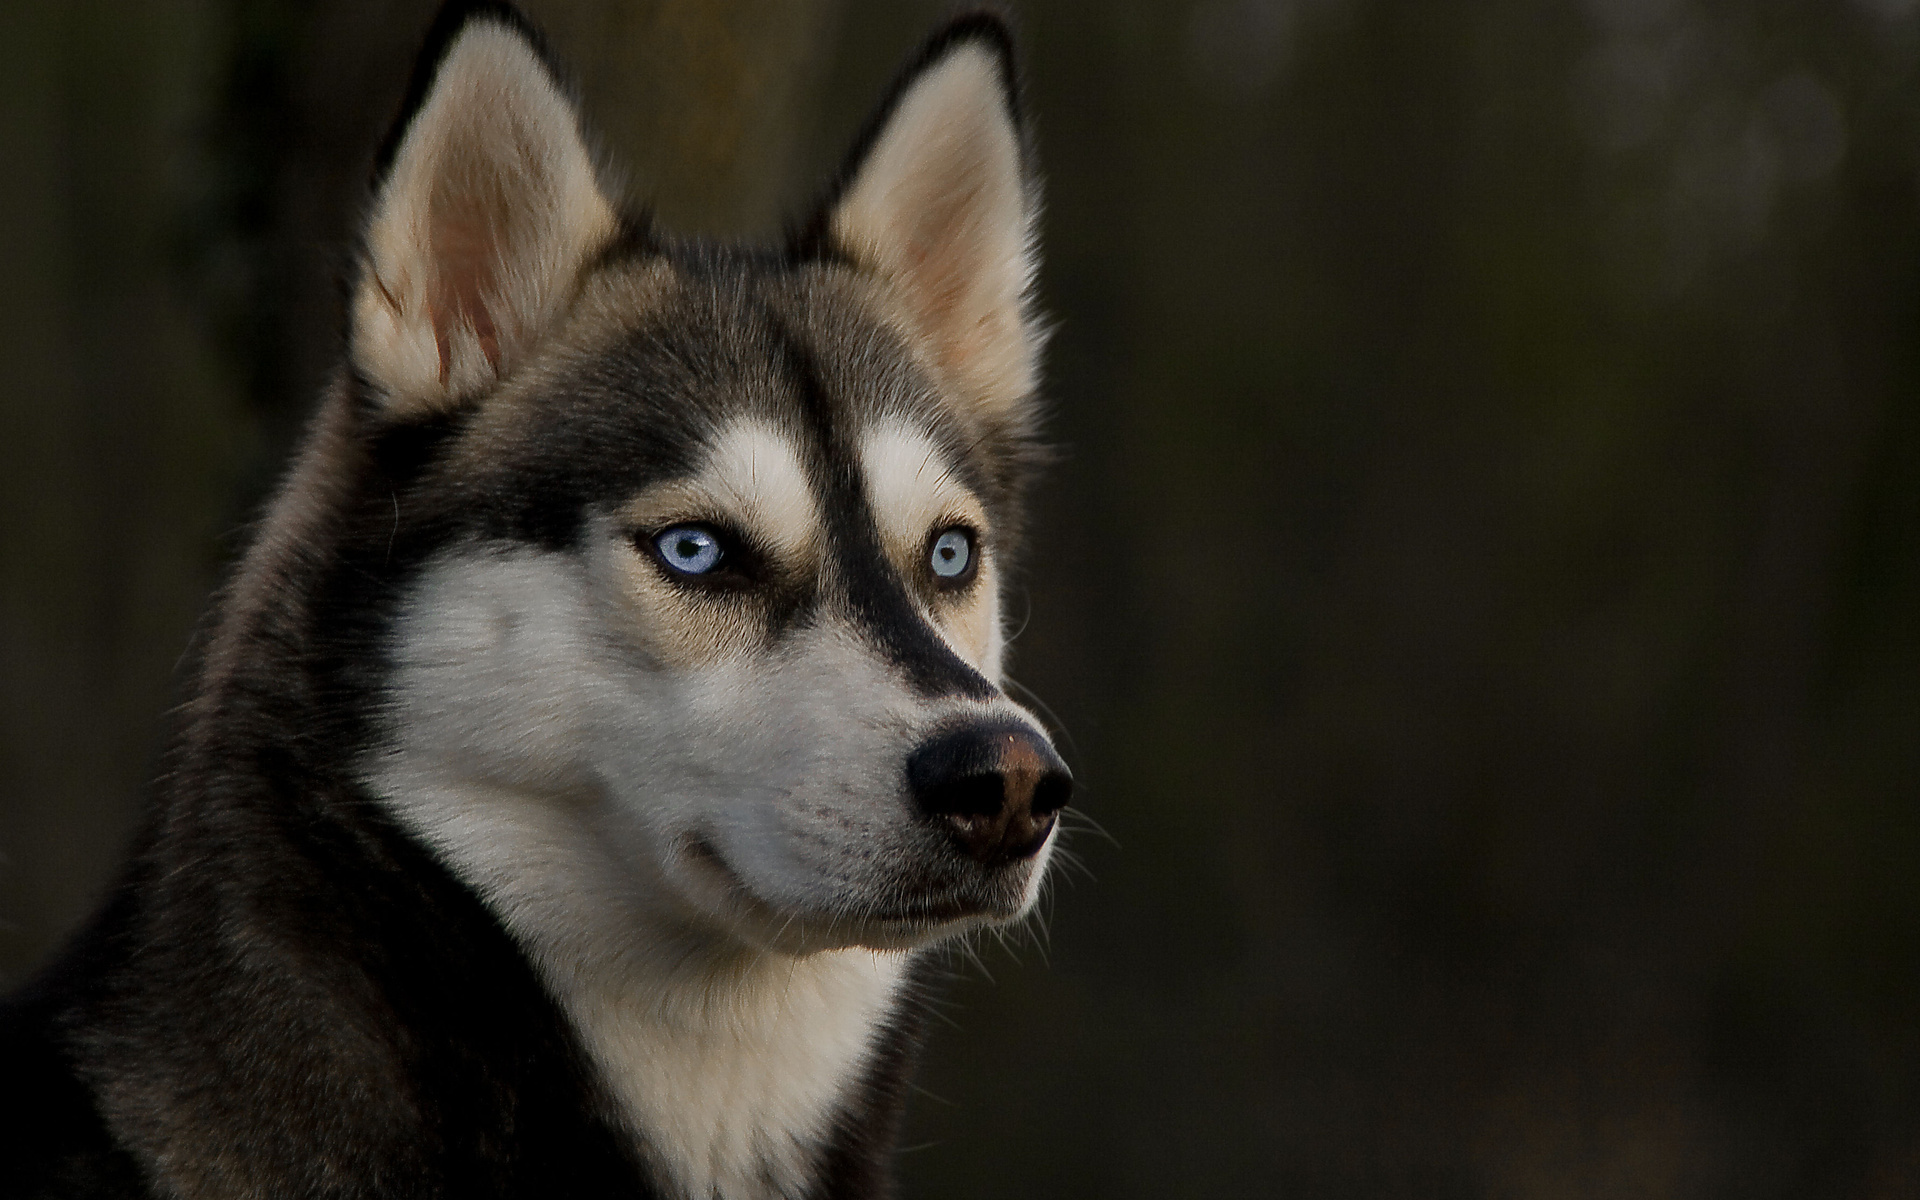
{"points": [[952, 553], [689, 549]]}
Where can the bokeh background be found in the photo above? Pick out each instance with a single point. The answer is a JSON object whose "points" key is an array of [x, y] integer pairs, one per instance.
{"points": [[1480, 591]]}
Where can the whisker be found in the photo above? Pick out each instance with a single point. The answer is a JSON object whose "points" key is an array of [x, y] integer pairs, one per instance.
{"points": [[1026, 618], [1088, 823], [1046, 710], [931, 1095]]}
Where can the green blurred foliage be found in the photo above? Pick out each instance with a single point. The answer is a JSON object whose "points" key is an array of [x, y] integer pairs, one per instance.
{"points": [[1480, 591]]}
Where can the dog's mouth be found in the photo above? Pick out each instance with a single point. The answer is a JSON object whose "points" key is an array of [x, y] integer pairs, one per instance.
{"points": [[899, 923]]}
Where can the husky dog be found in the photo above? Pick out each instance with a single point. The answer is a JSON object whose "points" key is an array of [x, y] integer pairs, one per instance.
{"points": [[607, 712]]}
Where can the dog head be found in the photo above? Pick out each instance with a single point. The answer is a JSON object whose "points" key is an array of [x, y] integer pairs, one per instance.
{"points": [[707, 543]]}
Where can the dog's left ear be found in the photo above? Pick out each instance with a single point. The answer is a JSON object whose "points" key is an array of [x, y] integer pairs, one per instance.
{"points": [[939, 201], [483, 224]]}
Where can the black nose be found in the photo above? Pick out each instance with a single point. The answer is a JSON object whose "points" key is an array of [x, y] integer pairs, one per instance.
{"points": [[996, 786]]}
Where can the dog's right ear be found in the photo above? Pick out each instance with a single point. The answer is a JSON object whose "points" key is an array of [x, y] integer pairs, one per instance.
{"points": [[939, 200], [488, 211]]}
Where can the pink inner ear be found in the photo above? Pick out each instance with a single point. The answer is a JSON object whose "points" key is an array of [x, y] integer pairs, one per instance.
{"points": [[938, 272], [466, 243]]}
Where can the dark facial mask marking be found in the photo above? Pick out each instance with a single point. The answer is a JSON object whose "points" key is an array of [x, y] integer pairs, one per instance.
{"points": [[882, 607]]}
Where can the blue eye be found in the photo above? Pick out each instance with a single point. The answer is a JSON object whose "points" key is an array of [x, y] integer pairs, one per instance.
{"points": [[952, 551], [689, 549]]}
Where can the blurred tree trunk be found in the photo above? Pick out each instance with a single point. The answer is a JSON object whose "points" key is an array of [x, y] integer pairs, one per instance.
{"points": [[119, 436], [704, 102]]}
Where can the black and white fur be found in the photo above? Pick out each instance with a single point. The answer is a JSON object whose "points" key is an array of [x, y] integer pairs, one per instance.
{"points": [[493, 857]]}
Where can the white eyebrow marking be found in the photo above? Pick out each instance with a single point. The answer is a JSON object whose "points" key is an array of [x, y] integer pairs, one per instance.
{"points": [[909, 483], [755, 475], [912, 488]]}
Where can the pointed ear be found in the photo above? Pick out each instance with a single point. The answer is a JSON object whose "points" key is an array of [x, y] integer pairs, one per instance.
{"points": [[938, 201], [488, 213]]}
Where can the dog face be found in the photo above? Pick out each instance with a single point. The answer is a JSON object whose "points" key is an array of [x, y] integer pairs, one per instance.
{"points": [[706, 614]]}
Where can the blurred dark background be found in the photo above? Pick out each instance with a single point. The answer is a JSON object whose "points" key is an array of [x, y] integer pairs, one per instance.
{"points": [[1480, 592]]}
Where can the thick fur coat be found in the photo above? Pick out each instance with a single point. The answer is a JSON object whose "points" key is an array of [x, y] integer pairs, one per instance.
{"points": [[607, 713]]}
